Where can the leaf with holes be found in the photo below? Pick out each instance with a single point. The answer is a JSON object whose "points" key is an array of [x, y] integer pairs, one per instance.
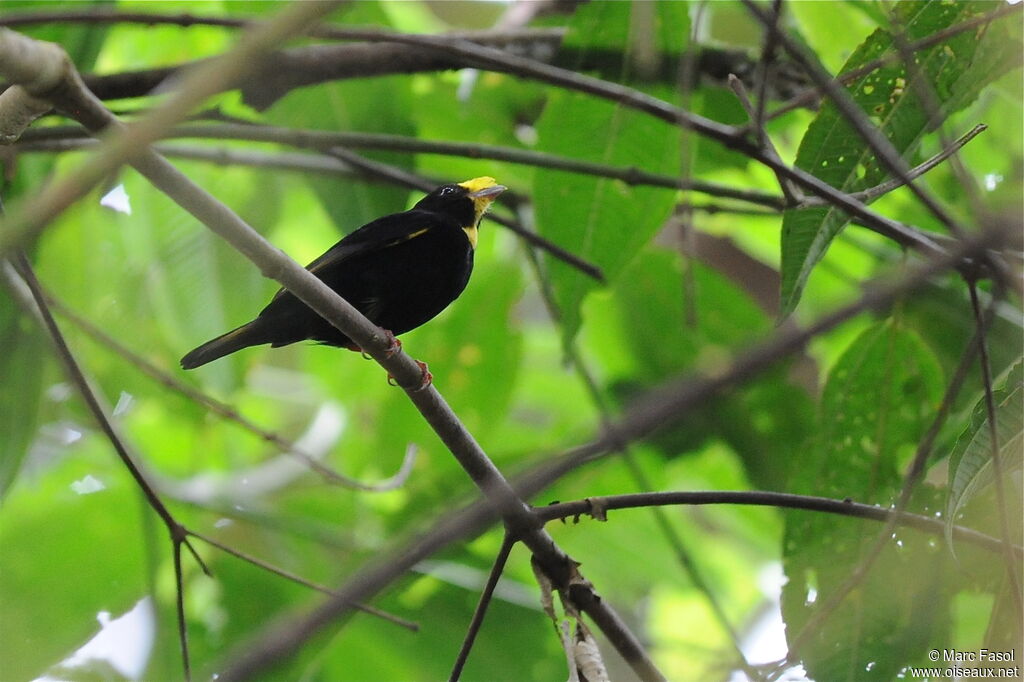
{"points": [[877, 403]]}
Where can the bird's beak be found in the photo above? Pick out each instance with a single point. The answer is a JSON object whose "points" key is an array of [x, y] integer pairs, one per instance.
{"points": [[488, 192]]}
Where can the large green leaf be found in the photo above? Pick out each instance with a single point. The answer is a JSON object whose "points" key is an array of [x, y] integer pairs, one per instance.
{"points": [[955, 70], [877, 402], [605, 221]]}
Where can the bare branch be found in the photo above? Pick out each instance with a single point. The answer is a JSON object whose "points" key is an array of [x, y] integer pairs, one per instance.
{"points": [[407, 372], [759, 498], [322, 140], [792, 193], [288, 575], [497, 568]]}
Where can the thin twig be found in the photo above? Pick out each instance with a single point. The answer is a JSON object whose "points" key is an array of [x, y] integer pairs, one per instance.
{"points": [[228, 412], [497, 568], [766, 71], [321, 139], [288, 575], [872, 193], [179, 607], [792, 193], [759, 498], [993, 433]]}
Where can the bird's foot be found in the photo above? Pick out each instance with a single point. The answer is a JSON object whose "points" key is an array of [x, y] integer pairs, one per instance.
{"points": [[426, 378], [394, 344]]}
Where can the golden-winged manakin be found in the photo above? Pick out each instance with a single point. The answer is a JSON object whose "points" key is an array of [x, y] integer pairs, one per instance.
{"points": [[399, 271]]}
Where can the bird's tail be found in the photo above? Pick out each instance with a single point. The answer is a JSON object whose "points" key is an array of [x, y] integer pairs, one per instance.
{"points": [[236, 339]]}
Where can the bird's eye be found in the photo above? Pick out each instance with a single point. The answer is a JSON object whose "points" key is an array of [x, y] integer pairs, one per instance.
{"points": [[447, 190]]}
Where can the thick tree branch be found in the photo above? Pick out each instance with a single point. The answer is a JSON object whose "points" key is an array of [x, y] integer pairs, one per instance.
{"points": [[660, 408]]}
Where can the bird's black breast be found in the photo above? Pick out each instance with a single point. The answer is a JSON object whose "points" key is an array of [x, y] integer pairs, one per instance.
{"points": [[399, 275]]}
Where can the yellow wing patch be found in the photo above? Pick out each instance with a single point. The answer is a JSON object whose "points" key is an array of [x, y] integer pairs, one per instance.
{"points": [[411, 235]]}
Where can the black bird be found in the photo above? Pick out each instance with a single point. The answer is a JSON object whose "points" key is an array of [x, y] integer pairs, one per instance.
{"points": [[399, 271]]}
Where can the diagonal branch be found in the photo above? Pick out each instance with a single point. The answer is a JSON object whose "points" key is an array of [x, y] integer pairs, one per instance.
{"points": [[408, 374], [288, 575], [497, 568], [227, 411], [883, 188], [661, 407], [178, 533]]}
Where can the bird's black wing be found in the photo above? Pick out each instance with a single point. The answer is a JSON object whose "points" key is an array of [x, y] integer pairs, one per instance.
{"points": [[375, 236]]}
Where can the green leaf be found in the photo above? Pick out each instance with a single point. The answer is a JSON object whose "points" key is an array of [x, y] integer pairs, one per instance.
{"points": [[21, 375], [956, 70], [877, 403], [970, 466], [604, 221]]}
